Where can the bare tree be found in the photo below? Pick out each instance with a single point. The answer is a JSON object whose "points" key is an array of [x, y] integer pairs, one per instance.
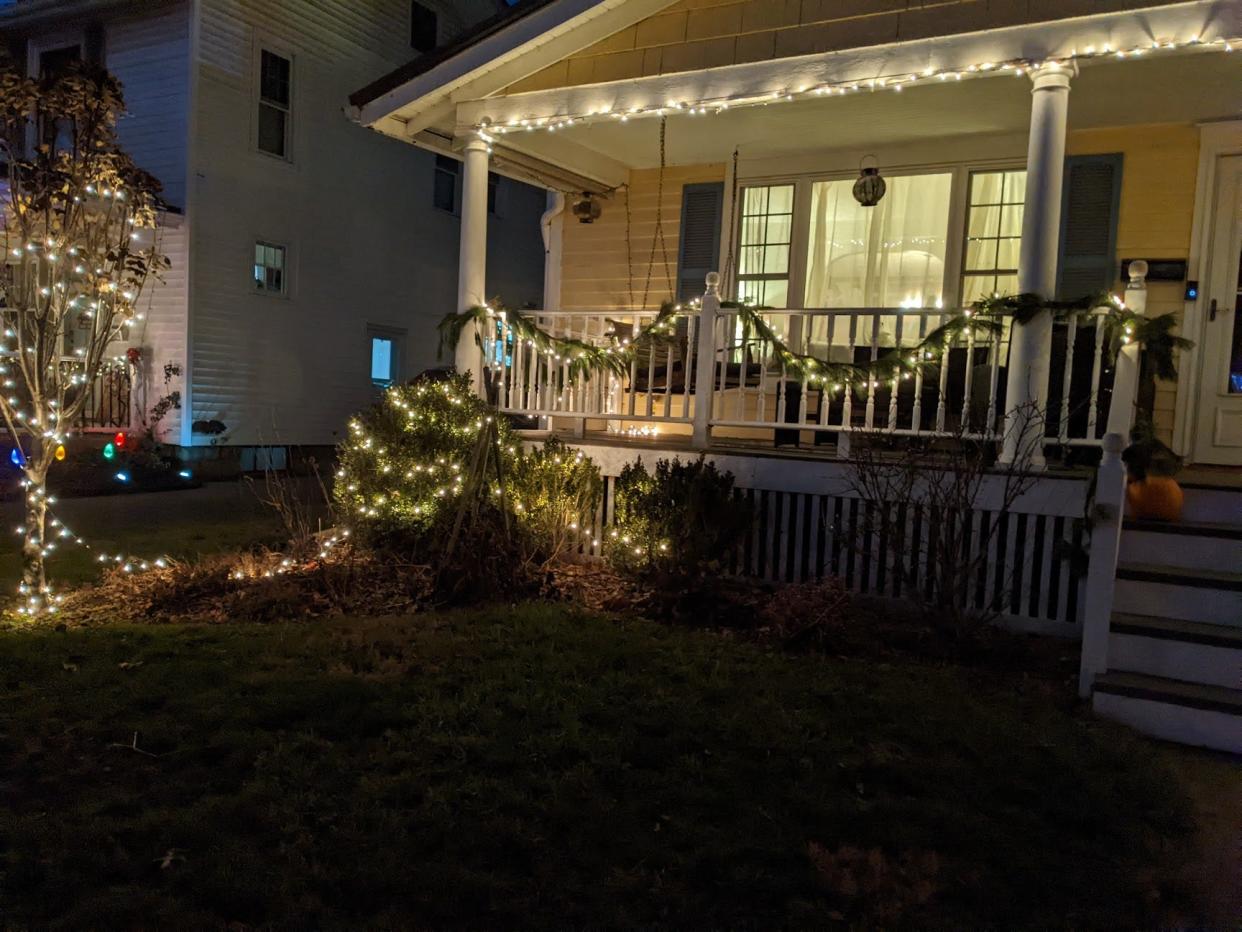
{"points": [[922, 513], [78, 228]]}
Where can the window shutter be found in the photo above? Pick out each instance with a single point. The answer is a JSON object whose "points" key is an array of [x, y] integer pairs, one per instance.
{"points": [[1090, 200], [700, 236]]}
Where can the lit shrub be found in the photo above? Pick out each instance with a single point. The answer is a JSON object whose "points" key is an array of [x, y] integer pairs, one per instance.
{"points": [[683, 519], [407, 463], [555, 491]]}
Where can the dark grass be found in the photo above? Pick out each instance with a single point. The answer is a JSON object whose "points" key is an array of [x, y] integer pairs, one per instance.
{"points": [[541, 767]]}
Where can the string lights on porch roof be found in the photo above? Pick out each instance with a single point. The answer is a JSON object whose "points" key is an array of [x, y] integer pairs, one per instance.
{"points": [[489, 128]]}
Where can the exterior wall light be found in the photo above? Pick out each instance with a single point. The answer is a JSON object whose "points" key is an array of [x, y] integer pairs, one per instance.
{"points": [[586, 208]]}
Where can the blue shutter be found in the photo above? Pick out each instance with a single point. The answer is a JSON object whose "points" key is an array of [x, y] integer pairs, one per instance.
{"points": [[1090, 203], [699, 252]]}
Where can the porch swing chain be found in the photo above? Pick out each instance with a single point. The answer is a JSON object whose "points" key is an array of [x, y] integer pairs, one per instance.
{"points": [[733, 224], [658, 236]]}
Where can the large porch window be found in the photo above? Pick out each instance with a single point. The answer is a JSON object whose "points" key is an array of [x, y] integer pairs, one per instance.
{"points": [[940, 237], [889, 255]]}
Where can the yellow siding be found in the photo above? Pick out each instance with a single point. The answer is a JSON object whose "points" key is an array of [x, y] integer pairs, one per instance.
{"points": [[694, 34], [595, 266], [1157, 210]]}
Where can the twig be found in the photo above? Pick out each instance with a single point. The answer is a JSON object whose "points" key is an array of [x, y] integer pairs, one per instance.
{"points": [[132, 746]]}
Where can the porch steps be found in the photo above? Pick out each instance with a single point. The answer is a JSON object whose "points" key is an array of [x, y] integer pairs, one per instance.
{"points": [[1174, 710], [1181, 544], [1175, 636], [1206, 502], [1211, 596], [1210, 655]]}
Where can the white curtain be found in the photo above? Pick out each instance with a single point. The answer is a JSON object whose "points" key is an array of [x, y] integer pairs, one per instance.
{"points": [[890, 255]]}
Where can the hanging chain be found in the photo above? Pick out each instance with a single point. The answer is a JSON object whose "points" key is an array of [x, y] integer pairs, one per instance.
{"points": [[629, 244], [734, 223], [658, 236]]}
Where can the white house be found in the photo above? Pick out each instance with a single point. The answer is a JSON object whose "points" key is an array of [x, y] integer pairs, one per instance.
{"points": [[311, 258], [1027, 147]]}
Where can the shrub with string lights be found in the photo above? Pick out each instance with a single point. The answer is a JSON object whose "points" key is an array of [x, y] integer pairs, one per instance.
{"points": [[682, 520], [405, 467]]}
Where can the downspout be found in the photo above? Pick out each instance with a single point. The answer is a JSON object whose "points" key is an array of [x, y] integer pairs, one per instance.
{"points": [[552, 242]]}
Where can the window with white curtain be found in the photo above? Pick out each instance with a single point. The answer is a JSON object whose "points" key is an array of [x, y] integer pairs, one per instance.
{"points": [[766, 234], [993, 234], [889, 255]]}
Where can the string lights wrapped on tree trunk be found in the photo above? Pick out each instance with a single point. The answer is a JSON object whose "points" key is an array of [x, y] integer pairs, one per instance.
{"points": [[78, 232]]}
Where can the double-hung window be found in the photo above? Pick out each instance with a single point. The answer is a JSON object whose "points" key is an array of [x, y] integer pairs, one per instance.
{"points": [[993, 234], [444, 183], [270, 274], [275, 104], [764, 241]]}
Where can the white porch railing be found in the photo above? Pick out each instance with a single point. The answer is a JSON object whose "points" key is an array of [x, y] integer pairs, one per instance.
{"points": [[655, 386], [742, 385]]}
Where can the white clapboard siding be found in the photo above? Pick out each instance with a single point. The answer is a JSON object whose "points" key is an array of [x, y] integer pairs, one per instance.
{"points": [[162, 334], [150, 56], [354, 209]]}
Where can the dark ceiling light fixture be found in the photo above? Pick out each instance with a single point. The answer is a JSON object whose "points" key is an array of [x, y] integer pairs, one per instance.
{"points": [[586, 208], [870, 187]]}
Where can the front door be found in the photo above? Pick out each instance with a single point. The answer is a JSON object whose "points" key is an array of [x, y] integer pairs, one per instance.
{"points": [[1218, 425]]}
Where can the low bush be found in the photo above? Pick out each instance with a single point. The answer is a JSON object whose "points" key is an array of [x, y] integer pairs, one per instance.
{"points": [[433, 473], [404, 469], [684, 519], [808, 613], [555, 491]]}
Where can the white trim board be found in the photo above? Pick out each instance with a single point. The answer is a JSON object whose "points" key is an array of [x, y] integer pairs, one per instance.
{"points": [[521, 49], [756, 80]]}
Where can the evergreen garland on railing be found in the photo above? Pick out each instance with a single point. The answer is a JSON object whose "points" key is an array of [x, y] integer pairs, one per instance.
{"points": [[581, 357], [986, 316]]}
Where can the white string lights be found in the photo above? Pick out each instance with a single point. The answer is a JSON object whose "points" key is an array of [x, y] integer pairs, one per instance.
{"points": [[488, 127]]}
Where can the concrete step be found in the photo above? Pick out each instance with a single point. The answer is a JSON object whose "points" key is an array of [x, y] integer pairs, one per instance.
{"points": [[1188, 713], [1182, 544], [1213, 597], [1208, 502], [1177, 650]]}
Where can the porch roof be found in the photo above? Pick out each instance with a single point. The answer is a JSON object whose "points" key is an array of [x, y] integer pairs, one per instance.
{"points": [[821, 101]]}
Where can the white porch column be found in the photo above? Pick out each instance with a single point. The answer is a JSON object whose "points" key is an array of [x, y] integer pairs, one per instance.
{"points": [[1031, 343], [472, 258]]}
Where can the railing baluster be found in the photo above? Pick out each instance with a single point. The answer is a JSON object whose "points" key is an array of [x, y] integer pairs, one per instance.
{"points": [[968, 381], [994, 349], [1071, 333], [892, 401], [1093, 402], [871, 381]]}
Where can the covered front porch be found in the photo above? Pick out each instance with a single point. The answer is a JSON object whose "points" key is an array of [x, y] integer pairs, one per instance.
{"points": [[971, 134]]}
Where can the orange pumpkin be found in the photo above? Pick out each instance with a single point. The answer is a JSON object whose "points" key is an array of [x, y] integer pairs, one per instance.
{"points": [[1156, 497]]}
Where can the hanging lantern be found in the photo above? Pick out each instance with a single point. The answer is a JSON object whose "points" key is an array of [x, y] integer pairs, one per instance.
{"points": [[870, 187], [109, 451], [586, 208], [60, 453]]}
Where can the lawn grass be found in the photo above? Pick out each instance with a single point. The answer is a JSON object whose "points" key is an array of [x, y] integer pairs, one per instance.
{"points": [[537, 766], [181, 524]]}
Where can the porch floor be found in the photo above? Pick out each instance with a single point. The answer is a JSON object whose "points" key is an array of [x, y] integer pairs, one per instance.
{"points": [[679, 443]]}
